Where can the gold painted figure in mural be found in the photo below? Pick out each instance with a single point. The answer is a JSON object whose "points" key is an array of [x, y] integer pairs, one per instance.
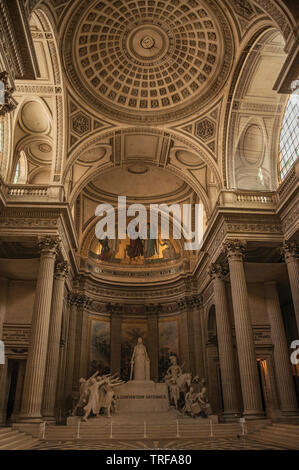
{"points": [[140, 362]]}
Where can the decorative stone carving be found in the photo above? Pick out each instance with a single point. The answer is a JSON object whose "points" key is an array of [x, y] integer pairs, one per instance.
{"points": [[81, 124], [217, 271], [50, 245], [61, 269], [290, 250], [243, 8], [235, 249], [7, 102], [205, 129], [156, 64]]}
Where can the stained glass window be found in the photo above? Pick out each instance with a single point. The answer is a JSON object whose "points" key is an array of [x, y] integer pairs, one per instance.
{"points": [[289, 137]]}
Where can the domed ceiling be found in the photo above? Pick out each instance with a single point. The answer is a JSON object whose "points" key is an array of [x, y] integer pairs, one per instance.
{"points": [[147, 60], [139, 181]]}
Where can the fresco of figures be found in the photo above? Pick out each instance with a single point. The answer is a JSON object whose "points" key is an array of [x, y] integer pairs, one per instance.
{"points": [[99, 349], [139, 252]]}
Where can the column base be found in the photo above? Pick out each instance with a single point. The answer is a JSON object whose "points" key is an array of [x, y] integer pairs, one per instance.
{"points": [[231, 416], [254, 414], [29, 419], [289, 413], [49, 419]]}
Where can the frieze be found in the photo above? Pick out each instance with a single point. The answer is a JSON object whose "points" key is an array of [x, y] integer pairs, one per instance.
{"points": [[16, 335]]}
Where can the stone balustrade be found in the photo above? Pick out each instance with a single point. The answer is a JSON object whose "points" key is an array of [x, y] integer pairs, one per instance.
{"points": [[258, 199], [32, 192]]}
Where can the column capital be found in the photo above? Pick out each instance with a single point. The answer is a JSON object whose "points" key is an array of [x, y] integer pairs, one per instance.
{"points": [[49, 245], [153, 309], [115, 309], [61, 270], [290, 250], [235, 249], [80, 300], [182, 304], [217, 271]]}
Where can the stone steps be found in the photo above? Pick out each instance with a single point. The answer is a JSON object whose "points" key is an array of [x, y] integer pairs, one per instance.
{"points": [[101, 429], [13, 440], [284, 435]]}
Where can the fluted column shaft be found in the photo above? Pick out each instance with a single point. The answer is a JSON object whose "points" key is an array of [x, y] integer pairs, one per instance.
{"points": [[244, 334], [185, 359], [153, 345], [197, 340], [3, 301], [37, 355], [290, 251], [52, 366], [284, 378], [225, 344], [4, 283], [70, 352], [79, 368], [62, 360], [115, 342]]}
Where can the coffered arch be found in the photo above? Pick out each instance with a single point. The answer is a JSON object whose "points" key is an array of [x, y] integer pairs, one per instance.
{"points": [[169, 151], [254, 114]]}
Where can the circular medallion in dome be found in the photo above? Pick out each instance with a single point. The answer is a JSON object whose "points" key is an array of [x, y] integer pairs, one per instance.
{"points": [[147, 61]]}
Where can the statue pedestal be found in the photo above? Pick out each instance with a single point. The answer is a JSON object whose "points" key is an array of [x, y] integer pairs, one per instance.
{"points": [[142, 396]]}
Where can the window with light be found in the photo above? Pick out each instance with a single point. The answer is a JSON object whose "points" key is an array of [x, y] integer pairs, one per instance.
{"points": [[289, 137]]}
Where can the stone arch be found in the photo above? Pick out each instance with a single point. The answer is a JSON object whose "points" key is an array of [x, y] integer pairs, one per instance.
{"points": [[33, 126], [169, 164], [251, 92], [42, 16]]}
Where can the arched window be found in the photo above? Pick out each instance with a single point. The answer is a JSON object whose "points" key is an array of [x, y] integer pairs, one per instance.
{"points": [[17, 173], [289, 136], [21, 172]]}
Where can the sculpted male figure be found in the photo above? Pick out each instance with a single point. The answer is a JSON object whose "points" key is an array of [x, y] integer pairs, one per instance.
{"points": [[84, 383], [93, 400], [174, 371]]}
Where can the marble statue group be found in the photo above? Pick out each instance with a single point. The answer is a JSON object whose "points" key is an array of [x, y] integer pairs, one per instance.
{"points": [[182, 392], [96, 394], [188, 395]]}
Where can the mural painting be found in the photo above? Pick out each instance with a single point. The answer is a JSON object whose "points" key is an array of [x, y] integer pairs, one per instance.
{"points": [[168, 343], [134, 252], [99, 345]]}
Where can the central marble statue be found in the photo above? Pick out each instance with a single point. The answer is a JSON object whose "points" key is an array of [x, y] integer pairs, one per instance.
{"points": [[140, 363]]}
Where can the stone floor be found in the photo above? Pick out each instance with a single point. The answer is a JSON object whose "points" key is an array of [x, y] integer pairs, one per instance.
{"points": [[165, 431], [175, 444]]}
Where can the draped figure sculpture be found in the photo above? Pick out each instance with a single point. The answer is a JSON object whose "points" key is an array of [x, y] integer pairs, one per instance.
{"points": [[140, 363]]}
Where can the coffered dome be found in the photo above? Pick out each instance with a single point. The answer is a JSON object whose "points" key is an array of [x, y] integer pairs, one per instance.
{"points": [[147, 60]]}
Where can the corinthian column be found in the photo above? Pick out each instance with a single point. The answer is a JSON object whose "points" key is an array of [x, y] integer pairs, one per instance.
{"points": [[196, 333], [52, 366], [115, 337], [225, 343], [37, 355], [245, 342], [70, 350], [284, 378], [153, 339], [81, 352], [290, 251]]}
